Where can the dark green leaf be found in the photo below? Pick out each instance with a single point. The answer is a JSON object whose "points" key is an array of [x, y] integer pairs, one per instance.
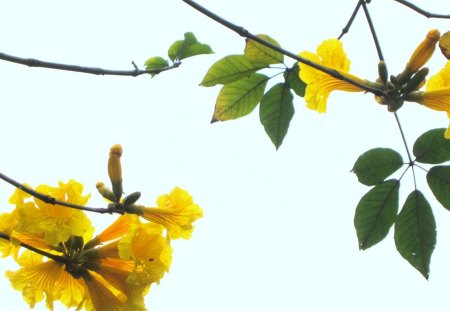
{"points": [[258, 53], [415, 232], [376, 212], [239, 98], [229, 69], [155, 63], [292, 77], [276, 111], [188, 47], [375, 165], [432, 147], [438, 179]]}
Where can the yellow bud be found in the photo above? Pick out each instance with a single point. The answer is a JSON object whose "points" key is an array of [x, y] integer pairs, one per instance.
{"points": [[444, 44], [423, 52], [105, 192], [115, 169]]}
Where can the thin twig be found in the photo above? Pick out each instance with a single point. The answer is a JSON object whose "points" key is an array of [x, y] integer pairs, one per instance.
{"points": [[34, 249], [422, 11], [50, 200], [372, 29], [411, 162], [32, 62], [350, 21], [245, 33]]}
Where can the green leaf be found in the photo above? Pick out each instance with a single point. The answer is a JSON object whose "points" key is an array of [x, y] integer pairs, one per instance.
{"points": [[415, 232], [376, 213], [375, 165], [188, 47], [229, 69], [276, 111], [432, 147], [256, 52], [239, 98], [291, 76], [155, 63], [438, 179]]}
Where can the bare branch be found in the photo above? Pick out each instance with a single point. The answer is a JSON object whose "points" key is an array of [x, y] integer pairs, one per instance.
{"points": [[421, 11], [31, 62], [350, 21]]}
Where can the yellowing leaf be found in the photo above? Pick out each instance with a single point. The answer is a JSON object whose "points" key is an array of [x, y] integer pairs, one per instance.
{"points": [[444, 44], [239, 98], [256, 52]]}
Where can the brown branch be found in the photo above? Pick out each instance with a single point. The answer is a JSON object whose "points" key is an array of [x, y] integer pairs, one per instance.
{"points": [[421, 11], [50, 200], [245, 33], [31, 62], [34, 249]]}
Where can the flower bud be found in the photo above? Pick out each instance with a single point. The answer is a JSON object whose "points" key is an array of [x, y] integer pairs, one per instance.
{"points": [[417, 80], [131, 198], [421, 54], [115, 170], [382, 71], [105, 192]]}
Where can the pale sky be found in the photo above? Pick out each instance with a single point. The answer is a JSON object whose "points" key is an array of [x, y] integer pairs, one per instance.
{"points": [[277, 232]]}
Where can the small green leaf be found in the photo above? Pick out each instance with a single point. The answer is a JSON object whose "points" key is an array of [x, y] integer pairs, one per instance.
{"points": [[292, 77], [188, 47], [155, 63], [438, 179], [239, 98], [230, 69], [376, 212], [432, 147], [276, 111], [375, 165], [256, 52], [415, 232]]}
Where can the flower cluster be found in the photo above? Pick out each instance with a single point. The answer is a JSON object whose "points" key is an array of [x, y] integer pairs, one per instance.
{"points": [[395, 91], [61, 260]]}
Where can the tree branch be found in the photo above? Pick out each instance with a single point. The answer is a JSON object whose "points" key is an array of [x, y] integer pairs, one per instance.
{"points": [[245, 33], [34, 249], [31, 62], [50, 200], [421, 11], [372, 29], [350, 21]]}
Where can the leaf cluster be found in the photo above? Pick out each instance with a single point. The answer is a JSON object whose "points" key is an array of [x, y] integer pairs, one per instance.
{"points": [[378, 210], [244, 87]]}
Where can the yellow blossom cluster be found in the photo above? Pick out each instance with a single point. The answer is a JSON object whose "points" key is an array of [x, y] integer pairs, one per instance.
{"points": [[403, 87], [60, 260]]}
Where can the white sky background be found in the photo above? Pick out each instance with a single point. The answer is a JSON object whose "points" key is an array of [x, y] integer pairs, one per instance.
{"points": [[278, 229]]}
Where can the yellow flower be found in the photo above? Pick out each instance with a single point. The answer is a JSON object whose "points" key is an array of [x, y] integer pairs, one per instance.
{"points": [[176, 211], [437, 93], [54, 223], [149, 249], [330, 54]]}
